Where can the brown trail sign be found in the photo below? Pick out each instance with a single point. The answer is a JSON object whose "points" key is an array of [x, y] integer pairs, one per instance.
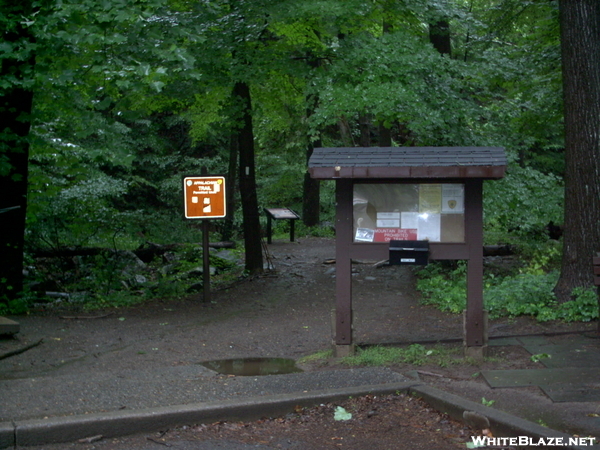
{"points": [[204, 198]]}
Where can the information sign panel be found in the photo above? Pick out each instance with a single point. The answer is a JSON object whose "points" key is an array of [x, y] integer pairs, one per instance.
{"points": [[204, 197], [282, 213], [385, 212]]}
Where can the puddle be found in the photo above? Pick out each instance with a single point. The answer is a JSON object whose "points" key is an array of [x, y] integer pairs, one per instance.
{"points": [[253, 366]]}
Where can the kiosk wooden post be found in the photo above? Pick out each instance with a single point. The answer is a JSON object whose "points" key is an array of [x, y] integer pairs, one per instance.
{"points": [[343, 341], [447, 180], [475, 320]]}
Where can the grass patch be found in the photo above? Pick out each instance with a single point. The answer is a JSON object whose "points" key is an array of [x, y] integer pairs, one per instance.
{"points": [[414, 354], [323, 355]]}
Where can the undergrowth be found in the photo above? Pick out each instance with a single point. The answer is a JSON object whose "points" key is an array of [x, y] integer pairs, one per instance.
{"points": [[526, 293], [115, 279]]}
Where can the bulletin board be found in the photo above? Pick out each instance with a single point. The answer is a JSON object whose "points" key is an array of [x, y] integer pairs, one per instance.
{"points": [[433, 212]]}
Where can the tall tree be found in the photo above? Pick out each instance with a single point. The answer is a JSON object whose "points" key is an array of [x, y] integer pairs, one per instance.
{"points": [[439, 36], [580, 44], [252, 239], [311, 207], [17, 61]]}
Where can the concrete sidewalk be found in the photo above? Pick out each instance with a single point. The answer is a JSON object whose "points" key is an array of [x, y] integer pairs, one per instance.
{"points": [[122, 423], [231, 399]]}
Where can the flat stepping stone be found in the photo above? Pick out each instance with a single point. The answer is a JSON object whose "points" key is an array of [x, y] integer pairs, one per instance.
{"points": [[561, 385], [560, 393], [8, 326], [580, 352], [502, 341]]}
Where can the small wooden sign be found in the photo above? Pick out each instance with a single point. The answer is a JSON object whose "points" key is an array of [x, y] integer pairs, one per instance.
{"points": [[282, 213], [204, 197]]}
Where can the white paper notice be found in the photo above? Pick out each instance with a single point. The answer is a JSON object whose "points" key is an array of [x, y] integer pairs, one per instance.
{"points": [[388, 220], [429, 227], [409, 220], [453, 198]]}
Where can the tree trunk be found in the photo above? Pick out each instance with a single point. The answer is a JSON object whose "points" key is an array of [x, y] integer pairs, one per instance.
{"points": [[580, 45], [365, 130], [345, 132], [252, 237], [439, 36], [15, 110], [384, 139], [311, 189], [385, 136], [228, 225], [311, 203]]}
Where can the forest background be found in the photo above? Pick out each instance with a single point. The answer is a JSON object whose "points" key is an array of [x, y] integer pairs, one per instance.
{"points": [[107, 104]]}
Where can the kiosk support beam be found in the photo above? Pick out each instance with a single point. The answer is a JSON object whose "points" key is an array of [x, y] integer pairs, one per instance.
{"points": [[475, 318], [343, 269]]}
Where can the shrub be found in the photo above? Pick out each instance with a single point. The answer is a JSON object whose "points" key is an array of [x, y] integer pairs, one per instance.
{"points": [[526, 294]]}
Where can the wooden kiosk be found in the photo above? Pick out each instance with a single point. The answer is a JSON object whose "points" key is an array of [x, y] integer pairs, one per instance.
{"points": [[409, 205]]}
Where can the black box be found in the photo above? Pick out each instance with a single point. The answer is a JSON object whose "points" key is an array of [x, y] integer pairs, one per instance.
{"points": [[409, 253]]}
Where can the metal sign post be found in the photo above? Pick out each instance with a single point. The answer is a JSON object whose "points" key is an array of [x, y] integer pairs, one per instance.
{"points": [[204, 198]]}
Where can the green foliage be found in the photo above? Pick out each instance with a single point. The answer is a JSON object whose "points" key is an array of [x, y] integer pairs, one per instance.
{"points": [[540, 356], [446, 290], [13, 307], [113, 299], [130, 96], [18, 305], [486, 402], [529, 293], [117, 278], [317, 231], [522, 203], [524, 294], [390, 77], [79, 213], [583, 307], [280, 181], [541, 257]]}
